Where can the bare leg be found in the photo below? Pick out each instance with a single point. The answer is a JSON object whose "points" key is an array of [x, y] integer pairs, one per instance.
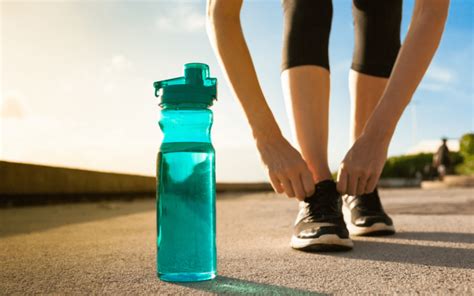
{"points": [[306, 91], [365, 91]]}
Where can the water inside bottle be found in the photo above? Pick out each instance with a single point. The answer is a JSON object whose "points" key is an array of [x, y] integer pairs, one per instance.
{"points": [[186, 209]]}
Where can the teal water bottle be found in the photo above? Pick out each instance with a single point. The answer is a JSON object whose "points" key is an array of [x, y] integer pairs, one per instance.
{"points": [[186, 198]]}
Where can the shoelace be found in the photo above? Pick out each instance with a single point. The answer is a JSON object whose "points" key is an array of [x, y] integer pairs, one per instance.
{"points": [[322, 205]]}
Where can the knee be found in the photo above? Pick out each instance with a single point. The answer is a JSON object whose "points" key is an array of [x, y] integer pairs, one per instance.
{"points": [[377, 36], [307, 24]]}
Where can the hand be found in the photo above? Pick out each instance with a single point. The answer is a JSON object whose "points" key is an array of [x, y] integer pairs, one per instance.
{"points": [[287, 170], [360, 170]]}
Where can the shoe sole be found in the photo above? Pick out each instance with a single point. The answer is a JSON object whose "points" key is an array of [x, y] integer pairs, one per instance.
{"points": [[376, 229], [324, 243]]}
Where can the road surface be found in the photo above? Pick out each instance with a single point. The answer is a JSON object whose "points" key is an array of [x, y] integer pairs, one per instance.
{"points": [[109, 248]]}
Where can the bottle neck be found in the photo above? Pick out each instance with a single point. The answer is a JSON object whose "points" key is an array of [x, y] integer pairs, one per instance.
{"points": [[186, 125]]}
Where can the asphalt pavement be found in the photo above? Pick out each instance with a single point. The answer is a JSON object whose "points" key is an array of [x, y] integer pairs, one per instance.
{"points": [[109, 248]]}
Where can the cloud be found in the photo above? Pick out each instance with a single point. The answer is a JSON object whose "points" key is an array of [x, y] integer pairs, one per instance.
{"points": [[114, 72], [438, 79], [440, 74], [118, 63], [185, 17], [12, 106], [431, 86], [448, 82]]}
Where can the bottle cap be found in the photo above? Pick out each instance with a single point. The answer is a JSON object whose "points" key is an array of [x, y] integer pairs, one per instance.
{"points": [[195, 87]]}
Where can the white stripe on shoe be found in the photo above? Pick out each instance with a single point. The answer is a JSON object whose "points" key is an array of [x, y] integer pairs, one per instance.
{"points": [[357, 230], [326, 241]]}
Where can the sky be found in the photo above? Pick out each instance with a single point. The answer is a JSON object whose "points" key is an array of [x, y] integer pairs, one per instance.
{"points": [[76, 82]]}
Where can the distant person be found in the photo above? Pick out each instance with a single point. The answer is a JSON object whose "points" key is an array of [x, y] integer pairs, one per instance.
{"points": [[442, 160], [383, 77]]}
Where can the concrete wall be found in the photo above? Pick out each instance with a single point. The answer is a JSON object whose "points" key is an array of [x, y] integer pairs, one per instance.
{"points": [[20, 178], [29, 184]]}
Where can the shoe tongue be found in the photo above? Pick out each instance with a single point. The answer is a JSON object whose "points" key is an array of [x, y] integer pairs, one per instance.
{"points": [[324, 190], [371, 195], [326, 186], [370, 201]]}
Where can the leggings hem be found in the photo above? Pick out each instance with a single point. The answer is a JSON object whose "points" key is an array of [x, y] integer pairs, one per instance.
{"points": [[372, 70], [286, 66]]}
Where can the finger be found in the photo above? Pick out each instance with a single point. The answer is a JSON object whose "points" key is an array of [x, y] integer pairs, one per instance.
{"points": [[361, 183], [342, 181], [298, 188], [352, 184], [287, 186], [308, 183], [276, 184], [371, 184]]}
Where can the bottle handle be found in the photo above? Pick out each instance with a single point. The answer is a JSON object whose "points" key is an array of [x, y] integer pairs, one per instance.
{"points": [[173, 81]]}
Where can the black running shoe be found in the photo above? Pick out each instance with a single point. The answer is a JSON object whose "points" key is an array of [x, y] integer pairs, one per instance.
{"points": [[364, 215], [320, 225]]}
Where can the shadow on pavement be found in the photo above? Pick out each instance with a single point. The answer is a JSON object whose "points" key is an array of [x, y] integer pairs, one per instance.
{"points": [[412, 254], [437, 236], [20, 220], [232, 286]]}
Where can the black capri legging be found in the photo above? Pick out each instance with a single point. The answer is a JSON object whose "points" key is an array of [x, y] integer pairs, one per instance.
{"points": [[307, 25]]}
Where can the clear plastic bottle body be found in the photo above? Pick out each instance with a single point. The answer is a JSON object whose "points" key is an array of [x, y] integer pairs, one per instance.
{"points": [[186, 226]]}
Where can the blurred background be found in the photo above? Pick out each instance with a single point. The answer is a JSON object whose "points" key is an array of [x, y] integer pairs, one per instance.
{"points": [[76, 83], [78, 122]]}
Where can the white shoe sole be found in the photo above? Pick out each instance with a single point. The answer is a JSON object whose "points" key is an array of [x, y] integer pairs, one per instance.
{"points": [[327, 242], [376, 228]]}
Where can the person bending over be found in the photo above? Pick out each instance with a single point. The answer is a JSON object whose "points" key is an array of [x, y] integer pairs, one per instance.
{"points": [[382, 79]]}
